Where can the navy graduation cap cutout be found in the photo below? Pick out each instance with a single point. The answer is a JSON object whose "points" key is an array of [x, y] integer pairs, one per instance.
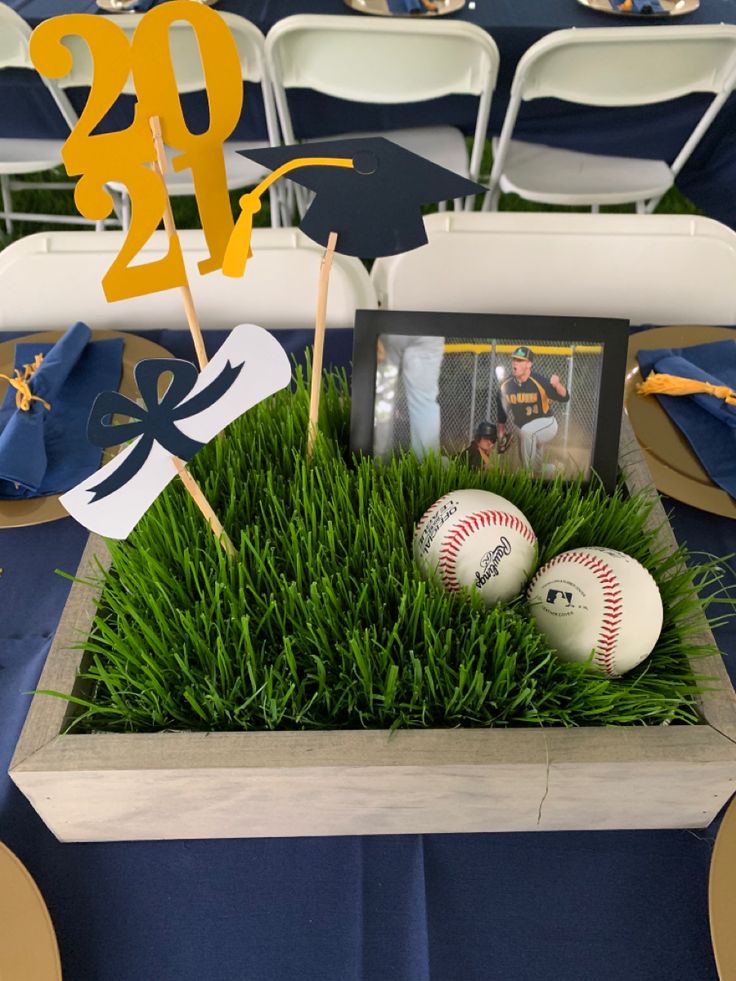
{"points": [[369, 191]]}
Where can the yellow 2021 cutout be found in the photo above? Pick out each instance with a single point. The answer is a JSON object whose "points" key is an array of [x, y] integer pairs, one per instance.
{"points": [[125, 157]]}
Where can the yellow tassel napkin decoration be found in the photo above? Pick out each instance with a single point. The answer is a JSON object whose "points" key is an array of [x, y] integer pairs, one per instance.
{"points": [[657, 384], [23, 394]]}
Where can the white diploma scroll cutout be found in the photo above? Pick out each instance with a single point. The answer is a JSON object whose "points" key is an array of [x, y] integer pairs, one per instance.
{"points": [[264, 369]]}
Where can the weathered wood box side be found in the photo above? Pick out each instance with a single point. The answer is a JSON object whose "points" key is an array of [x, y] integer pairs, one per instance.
{"points": [[263, 784]]}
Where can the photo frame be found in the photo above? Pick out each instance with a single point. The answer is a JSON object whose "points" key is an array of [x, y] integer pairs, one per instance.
{"points": [[534, 392]]}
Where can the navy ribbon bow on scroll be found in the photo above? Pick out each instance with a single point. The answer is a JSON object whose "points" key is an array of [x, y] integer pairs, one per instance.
{"points": [[156, 421]]}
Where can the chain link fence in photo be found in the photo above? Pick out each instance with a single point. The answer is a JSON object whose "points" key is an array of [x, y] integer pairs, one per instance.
{"points": [[471, 374]]}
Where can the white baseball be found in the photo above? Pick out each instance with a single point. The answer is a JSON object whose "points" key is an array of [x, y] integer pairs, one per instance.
{"points": [[473, 538], [597, 599]]}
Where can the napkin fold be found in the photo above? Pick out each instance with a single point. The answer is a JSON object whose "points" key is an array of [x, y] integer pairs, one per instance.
{"points": [[45, 451], [706, 421]]}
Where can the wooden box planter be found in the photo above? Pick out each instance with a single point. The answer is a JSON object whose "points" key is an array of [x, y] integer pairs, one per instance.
{"points": [[258, 784]]}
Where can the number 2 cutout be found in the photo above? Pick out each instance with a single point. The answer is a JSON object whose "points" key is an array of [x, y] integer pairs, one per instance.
{"points": [[124, 157]]}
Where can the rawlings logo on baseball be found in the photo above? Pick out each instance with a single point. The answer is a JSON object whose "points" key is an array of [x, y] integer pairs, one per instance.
{"points": [[490, 562], [597, 605], [476, 539]]}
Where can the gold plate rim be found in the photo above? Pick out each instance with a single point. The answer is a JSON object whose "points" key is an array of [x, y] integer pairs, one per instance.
{"points": [[109, 7], [379, 8], [722, 894], [30, 948], [686, 482], [29, 511], [677, 8]]}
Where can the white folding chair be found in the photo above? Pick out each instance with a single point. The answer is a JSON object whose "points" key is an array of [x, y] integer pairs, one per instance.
{"points": [[656, 269], [29, 156], [278, 291], [388, 61], [610, 67], [188, 71]]}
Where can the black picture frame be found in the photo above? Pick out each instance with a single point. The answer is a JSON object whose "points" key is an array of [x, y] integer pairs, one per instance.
{"points": [[499, 331]]}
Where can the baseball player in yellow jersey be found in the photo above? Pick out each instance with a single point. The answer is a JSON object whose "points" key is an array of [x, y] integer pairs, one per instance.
{"points": [[526, 397]]}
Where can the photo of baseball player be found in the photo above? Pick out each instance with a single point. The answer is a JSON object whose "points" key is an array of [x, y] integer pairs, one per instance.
{"points": [[413, 362], [497, 403], [485, 447], [526, 396], [479, 453]]}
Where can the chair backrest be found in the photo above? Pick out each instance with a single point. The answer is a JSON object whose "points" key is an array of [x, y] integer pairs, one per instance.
{"points": [[184, 52], [14, 34], [14, 37], [658, 269], [185, 59], [617, 67], [382, 60], [278, 291]]}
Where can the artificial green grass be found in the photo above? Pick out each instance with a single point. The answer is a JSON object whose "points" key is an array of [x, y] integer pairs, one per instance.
{"points": [[323, 622]]}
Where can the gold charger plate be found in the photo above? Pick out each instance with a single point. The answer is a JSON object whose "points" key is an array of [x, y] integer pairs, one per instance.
{"points": [[722, 895], [675, 469], [380, 8], [38, 510], [28, 948], [646, 10]]}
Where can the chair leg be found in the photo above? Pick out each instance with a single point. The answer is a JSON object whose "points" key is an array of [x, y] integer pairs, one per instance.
{"points": [[641, 207], [594, 209], [303, 199], [274, 196], [491, 199], [7, 202], [125, 212]]}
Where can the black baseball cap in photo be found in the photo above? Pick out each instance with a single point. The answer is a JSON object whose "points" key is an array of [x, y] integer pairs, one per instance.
{"points": [[523, 354], [486, 430]]}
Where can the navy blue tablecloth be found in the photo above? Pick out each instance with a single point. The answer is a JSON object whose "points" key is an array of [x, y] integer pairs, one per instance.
{"points": [[613, 906], [656, 132]]}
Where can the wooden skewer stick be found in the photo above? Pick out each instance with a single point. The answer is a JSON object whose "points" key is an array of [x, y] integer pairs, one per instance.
{"points": [[189, 482], [319, 342], [204, 506], [161, 167]]}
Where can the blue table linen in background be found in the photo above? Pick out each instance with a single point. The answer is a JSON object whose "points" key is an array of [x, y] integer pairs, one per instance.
{"points": [[46, 451], [707, 422]]}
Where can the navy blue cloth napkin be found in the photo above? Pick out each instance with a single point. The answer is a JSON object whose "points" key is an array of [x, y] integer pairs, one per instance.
{"points": [[405, 6], [639, 6], [707, 422], [45, 451]]}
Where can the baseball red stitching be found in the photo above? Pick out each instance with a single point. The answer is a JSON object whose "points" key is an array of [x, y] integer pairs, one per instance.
{"points": [[605, 649], [428, 513], [463, 529]]}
